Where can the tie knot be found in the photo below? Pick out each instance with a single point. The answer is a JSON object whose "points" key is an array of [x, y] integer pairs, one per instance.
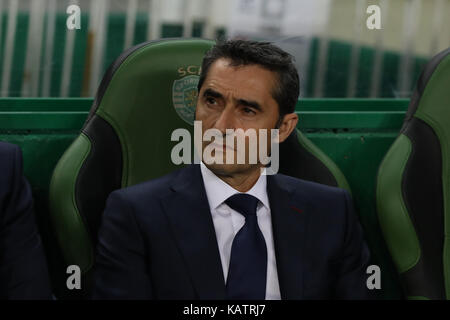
{"points": [[243, 203]]}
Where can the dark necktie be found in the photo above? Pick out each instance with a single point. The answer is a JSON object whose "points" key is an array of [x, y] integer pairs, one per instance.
{"points": [[248, 261]]}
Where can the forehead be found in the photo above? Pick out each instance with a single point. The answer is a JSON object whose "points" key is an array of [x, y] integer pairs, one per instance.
{"points": [[246, 79]]}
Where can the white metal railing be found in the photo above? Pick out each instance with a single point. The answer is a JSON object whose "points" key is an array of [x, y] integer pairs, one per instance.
{"points": [[40, 42]]}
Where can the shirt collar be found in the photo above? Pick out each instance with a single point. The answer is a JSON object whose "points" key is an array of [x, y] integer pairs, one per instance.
{"points": [[217, 190]]}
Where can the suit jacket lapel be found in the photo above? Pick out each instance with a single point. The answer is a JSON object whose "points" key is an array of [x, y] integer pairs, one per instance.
{"points": [[190, 217], [289, 232]]}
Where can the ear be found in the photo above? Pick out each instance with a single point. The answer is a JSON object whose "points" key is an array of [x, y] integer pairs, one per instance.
{"points": [[287, 125]]}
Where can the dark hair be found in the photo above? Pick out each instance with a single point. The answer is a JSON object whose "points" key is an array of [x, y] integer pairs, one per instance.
{"points": [[265, 54]]}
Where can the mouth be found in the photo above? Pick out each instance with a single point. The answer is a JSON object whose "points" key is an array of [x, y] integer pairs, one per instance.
{"points": [[222, 147]]}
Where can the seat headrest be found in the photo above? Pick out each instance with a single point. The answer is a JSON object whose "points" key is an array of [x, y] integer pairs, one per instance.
{"points": [[430, 99], [149, 91]]}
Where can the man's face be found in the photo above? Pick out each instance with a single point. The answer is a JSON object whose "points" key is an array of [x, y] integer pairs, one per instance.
{"points": [[237, 98]]}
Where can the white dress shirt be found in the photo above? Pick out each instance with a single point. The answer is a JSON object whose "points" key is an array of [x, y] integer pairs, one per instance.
{"points": [[227, 222]]}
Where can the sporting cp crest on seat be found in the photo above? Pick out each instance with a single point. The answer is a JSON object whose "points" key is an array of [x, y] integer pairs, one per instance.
{"points": [[184, 97]]}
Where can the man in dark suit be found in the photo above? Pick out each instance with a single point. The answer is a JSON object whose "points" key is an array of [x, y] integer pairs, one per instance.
{"points": [[225, 230], [23, 268]]}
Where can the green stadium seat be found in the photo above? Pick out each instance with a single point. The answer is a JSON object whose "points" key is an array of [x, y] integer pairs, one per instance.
{"points": [[147, 92], [413, 188]]}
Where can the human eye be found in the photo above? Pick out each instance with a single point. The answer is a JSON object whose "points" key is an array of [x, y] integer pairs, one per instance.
{"points": [[248, 111], [210, 101]]}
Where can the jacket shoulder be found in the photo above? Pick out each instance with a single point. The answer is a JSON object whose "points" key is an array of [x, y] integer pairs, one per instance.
{"points": [[7, 150], [310, 189], [150, 189], [10, 161]]}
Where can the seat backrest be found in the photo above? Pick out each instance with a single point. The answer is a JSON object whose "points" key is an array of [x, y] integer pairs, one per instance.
{"points": [[147, 93], [413, 187], [300, 158]]}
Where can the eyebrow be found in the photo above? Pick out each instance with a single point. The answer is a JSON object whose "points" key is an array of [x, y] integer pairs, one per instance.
{"points": [[212, 93], [248, 103]]}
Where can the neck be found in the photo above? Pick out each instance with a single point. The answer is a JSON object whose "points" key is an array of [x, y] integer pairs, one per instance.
{"points": [[242, 181]]}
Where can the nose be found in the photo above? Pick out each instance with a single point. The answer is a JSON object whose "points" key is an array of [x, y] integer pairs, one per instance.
{"points": [[225, 120]]}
